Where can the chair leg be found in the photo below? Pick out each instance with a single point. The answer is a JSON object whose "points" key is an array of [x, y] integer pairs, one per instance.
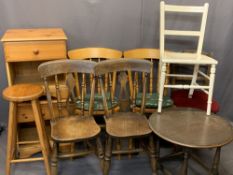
{"points": [[153, 156], [107, 156], [161, 86], [11, 137], [100, 152], [194, 79], [54, 159], [211, 89]]}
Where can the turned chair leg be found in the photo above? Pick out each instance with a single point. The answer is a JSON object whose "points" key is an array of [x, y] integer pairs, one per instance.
{"points": [[153, 156], [194, 79], [107, 156], [161, 86], [211, 88], [54, 159], [100, 152]]}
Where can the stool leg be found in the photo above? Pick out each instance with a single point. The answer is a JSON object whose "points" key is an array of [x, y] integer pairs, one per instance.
{"points": [[41, 133], [11, 136]]}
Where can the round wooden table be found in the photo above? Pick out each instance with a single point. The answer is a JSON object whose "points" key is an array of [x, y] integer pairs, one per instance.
{"points": [[192, 129]]}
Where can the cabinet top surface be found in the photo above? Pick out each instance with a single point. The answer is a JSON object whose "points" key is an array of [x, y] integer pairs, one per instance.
{"points": [[34, 34]]}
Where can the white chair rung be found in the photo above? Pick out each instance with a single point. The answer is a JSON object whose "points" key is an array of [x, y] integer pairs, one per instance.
{"points": [[182, 33], [185, 86], [179, 75], [184, 9], [203, 74]]}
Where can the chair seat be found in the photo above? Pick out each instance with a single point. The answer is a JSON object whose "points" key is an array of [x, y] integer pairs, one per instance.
{"points": [[127, 124], [74, 128], [98, 102], [187, 58], [152, 100]]}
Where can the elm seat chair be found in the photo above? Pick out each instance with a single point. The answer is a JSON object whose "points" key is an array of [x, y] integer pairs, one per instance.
{"points": [[151, 105], [125, 125], [96, 54], [72, 128], [196, 59]]}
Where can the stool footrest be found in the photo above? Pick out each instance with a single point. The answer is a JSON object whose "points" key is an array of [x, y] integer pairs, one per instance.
{"points": [[27, 160], [28, 142]]}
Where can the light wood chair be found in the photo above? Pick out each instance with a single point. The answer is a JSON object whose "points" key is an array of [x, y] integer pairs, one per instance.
{"points": [[152, 96], [196, 59], [70, 128], [125, 125], [97, 54]]}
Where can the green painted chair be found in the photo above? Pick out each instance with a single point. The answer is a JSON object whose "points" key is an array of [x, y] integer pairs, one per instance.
{"points": [[151, 103], [95, 54]]}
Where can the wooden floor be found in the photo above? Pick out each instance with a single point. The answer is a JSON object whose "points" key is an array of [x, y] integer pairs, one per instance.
{"points": [[138, 165]]}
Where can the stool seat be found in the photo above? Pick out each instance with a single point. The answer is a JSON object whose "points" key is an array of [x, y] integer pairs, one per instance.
{"points": [[23, 92]]}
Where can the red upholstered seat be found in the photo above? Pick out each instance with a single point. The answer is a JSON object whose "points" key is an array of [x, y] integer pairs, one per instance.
{"points": [[198, 100]]}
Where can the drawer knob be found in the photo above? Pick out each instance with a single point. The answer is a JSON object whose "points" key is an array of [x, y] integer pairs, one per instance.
{"points": [[36, 52]]}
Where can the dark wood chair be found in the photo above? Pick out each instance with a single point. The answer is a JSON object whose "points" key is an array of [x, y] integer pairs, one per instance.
{"points": [[125, 125], [69, 128], [96, 54]]}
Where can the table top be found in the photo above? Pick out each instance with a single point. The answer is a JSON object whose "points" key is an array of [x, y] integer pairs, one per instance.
{"points": [[191, 128]]}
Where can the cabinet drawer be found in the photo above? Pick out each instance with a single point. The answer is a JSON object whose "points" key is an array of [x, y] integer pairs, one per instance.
{"points": [[34, 50]]}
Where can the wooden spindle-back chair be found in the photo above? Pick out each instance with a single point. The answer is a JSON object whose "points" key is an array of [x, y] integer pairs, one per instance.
{"points": [[97, 54], [151, 55], [69, 128], [125, 125]]}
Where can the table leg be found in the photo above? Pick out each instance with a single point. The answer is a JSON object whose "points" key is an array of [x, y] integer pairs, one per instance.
{"points": [[184, 169], [215, 164]]}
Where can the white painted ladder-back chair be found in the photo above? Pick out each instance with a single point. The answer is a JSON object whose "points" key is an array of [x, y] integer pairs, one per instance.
{"points": [[197, 59]]}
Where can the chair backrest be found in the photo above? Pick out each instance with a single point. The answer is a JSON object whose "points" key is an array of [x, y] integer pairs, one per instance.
{"points": [[59, 74], [149, 54], [122, 66], [203, 10], [96, 54]]}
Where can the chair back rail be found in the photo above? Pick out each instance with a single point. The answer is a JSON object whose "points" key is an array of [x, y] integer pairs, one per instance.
{"points": [[147, 54], [97, 54], [50, 72], [121, 66]]}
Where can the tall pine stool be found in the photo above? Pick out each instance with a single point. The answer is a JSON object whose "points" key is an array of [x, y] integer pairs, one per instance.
{"points": [[25, 93]]}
